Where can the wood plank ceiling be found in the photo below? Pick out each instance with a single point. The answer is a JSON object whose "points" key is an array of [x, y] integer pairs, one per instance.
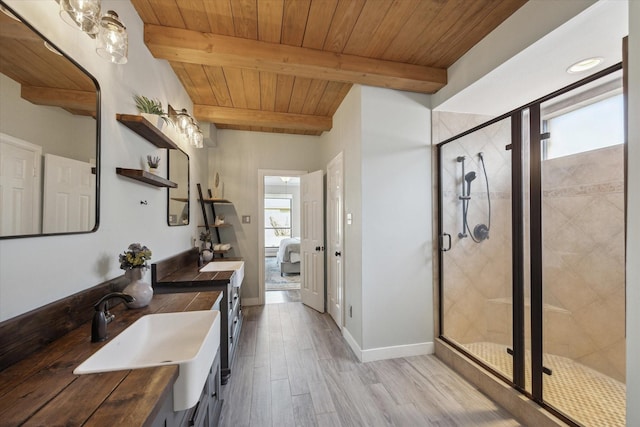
{"points": [[286, 65]]}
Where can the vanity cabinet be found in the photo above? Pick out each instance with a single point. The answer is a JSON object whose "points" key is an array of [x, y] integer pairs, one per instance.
{"points": [[205, 413]]}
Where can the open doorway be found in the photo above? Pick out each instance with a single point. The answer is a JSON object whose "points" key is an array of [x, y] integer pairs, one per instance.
{"points": [[280, 236]]}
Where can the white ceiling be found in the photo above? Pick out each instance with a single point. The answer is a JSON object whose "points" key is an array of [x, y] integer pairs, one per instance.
{"points": [[541, 68]]}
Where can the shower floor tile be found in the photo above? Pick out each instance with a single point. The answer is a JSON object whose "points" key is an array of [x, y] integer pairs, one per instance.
{"points": [[586, 395]]}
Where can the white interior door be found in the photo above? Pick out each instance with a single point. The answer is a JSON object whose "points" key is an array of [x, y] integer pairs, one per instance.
{"points": [[69, 195], [335, 218], [19, 186], [312, 241]]}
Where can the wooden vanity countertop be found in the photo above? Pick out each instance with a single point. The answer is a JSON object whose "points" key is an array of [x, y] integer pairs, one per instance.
{"points": [[189, 276], [42, 389]]}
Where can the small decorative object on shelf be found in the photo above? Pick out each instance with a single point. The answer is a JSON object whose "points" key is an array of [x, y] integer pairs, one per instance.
{"points": [[205, 249], [219, 220], [153, 162], [134, 263], [216, 186], [151, 109]]}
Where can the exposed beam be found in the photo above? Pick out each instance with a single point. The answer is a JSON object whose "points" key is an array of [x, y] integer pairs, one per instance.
{"points": [[180, 45], [245, 117], [78, 101]]}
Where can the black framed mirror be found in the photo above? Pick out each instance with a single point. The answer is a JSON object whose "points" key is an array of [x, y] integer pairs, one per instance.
{"points": [[178, 199], [49, 136]]}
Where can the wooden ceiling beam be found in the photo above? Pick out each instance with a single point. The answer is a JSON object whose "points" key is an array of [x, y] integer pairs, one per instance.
{"points": [[71, 100], [273, 119], [180, 45]]}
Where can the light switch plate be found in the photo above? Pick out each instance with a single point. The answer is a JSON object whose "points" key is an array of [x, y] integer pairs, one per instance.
{"points": [[349, 219], [246, 219]]}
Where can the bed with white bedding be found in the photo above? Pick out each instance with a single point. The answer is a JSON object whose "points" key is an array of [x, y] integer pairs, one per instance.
{"points": [[289, 256]]}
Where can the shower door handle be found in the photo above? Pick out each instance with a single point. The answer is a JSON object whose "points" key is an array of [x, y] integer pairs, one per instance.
{"points": [[442, 248]]}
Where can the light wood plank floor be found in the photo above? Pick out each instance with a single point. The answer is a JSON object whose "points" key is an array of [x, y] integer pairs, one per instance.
{"points": [[293, 368]]}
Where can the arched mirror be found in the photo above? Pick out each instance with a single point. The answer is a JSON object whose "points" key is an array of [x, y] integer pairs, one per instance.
{"points": [[49, 136], [178, 206]]}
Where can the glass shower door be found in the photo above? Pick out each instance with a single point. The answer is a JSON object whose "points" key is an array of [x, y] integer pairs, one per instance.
{"points": [[476, 258], [583, 255]]}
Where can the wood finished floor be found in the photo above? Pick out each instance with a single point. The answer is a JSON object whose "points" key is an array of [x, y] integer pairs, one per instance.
{"points": [[293, 368]]}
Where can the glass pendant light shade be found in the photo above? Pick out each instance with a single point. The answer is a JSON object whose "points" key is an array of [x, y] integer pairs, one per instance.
{"points": [[197, 139], [112, 41], [183, 120], [81, 14]]}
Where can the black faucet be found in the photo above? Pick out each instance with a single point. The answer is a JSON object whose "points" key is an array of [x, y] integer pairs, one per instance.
{"points": [[102, 316]]}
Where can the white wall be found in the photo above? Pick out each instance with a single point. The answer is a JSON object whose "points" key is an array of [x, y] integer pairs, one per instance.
{"points": [[385, 137], [237, 158], [346, 137], [38, 270], [633, 218], [397, 243]]}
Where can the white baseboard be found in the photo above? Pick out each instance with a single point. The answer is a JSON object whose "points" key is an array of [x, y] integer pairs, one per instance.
{"points": [[396, 351], [383, 353], [250, 301], [352, 343]]}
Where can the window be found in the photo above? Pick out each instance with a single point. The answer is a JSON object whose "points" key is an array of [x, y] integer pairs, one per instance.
{"points": [[277, 220], [596, 125]]}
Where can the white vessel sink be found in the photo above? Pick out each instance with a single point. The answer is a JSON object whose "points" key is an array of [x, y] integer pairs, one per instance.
{"points": [[223, 266], [236, 266], [188, 339]]}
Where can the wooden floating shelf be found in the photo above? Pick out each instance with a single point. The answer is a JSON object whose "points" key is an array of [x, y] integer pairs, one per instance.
{"points": [[216, 226], [146, 177], [145, 129]]}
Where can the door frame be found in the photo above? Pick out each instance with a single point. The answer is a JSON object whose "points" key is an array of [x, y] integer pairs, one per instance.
{"points": [[330, 226], [262, 173]]}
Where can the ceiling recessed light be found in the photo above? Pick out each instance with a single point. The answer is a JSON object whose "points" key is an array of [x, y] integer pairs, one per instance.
{"points": [[584, 65]]}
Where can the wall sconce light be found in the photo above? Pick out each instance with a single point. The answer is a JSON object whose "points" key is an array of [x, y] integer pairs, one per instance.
{"points": [[81, 14], [112, 42], [187, 126]]}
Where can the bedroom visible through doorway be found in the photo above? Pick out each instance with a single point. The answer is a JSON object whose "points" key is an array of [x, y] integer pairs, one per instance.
{"points": [[281, 236]]}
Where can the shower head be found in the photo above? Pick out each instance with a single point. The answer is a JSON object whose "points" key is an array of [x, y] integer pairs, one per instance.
{"points": [[470, 177], [460, 159]]}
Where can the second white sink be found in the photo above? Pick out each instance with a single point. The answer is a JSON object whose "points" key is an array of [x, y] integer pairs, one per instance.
{"points": [[188, 339], [236, 266]]}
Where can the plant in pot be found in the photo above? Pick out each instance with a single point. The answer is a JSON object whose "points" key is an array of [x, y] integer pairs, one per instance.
{"points": [[134, 263], [153, 162], [151, 109], [206, 252]]}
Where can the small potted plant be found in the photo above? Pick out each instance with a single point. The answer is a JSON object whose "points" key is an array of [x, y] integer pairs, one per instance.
{"points": [[134, 263], [151, 109], [153, 162]]}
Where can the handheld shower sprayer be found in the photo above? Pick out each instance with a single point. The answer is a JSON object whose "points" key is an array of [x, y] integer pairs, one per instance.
{"points": [[468, 178]]}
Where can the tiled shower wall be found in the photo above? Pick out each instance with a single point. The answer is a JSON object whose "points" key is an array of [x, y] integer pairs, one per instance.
{"points": [[583, 240], [583, 237]]}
